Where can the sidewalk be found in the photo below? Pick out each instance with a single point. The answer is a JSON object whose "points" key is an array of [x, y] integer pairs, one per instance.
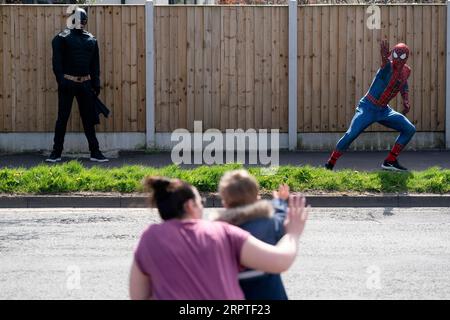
{"points": [[361, 161]]}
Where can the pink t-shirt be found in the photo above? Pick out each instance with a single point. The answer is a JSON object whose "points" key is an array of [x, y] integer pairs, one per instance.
{"points": [[192, 259]]}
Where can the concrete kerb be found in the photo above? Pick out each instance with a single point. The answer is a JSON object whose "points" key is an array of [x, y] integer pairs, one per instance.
{"points": [[213, 200]]}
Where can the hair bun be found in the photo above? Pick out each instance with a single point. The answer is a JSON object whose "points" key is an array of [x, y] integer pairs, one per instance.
{"points": [[159, 185]]}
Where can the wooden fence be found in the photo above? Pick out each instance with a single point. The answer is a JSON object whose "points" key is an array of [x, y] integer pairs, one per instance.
{"points": [[28, 101], [339, 55], [224, 65]]}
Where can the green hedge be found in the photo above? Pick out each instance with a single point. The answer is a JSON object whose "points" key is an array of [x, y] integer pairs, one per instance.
{"points": [[73, 177]]}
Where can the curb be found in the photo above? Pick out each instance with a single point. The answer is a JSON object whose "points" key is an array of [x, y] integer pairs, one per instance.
{"points": [[213, 200]]}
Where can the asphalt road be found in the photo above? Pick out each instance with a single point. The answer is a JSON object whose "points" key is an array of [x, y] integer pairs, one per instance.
{"points": [[346, 253]]}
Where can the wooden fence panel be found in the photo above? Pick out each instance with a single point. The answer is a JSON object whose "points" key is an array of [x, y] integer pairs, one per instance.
{"points": [[28, 100], [233, 61], [335, 43]]}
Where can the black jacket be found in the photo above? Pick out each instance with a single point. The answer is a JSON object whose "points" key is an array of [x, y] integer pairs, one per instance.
{"points": [[75, 52], [265, 221]]}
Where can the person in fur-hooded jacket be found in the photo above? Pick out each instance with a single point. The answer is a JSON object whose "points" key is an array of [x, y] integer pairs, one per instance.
{"points": [[263, 219]]}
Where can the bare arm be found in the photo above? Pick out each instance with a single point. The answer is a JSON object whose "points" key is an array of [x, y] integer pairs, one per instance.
{"points": [[259, 255], [140, 284]]}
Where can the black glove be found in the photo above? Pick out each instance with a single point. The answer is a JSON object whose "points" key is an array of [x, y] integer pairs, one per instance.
{"points": [[96, 90]]}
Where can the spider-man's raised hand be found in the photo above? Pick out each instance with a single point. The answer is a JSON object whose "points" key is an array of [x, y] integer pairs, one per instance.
{"points": [[385, 52]]}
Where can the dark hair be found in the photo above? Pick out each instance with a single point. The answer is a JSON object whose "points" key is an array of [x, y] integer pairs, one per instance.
{"points": [[168, 195]]}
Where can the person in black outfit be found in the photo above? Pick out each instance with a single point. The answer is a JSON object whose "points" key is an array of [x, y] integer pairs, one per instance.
{"points": [[76, 67]]}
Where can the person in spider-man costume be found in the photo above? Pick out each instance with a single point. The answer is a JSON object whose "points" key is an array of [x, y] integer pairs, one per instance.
{"points": [[391, 78]]}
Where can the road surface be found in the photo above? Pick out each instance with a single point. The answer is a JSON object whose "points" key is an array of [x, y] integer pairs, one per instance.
{"points": [[346, 253]]}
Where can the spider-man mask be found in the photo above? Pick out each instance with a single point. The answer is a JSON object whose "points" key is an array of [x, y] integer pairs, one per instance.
{"points": [[400, 54]]}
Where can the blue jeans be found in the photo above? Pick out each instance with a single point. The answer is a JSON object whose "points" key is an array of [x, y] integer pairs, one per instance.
{"points": [[367, 114]]}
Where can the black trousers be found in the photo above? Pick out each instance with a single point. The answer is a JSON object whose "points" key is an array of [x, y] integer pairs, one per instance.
{"points": [[86, 106]]}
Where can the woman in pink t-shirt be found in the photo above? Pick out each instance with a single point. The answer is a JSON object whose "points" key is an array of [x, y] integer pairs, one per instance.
{"points": [[186, 257]]}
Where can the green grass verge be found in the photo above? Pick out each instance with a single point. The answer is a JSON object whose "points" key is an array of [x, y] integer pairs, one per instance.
{"points": [[73, 177]]}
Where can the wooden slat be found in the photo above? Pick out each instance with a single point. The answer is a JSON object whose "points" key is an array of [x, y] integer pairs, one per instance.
{"points": [[275, 76], [32, 82], [215, 66], [190, 67], [250, 67], [308, 64], [441, 82], [333, 75], [417, 88], [259, 69], [433, 69], [173, 69], [5, 121], [316, 68], [165, 68], [284, 111], [410, 41], [182, 67], [40, 68], [351, 58], [233, 72], [3, 74], [267, 69], [22, 97], [359, 53], [108, 67], [158, 64], [117, 67], [141, 88], [50, 105], [133, 71], [342, 64], [300, 67], [240, 63], [199, 112], [426, 76], [325, 71], [126, 75], [207, 66]]}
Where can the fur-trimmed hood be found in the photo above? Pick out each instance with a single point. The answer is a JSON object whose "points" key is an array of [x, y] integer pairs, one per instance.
{"points": [[243, 214]]}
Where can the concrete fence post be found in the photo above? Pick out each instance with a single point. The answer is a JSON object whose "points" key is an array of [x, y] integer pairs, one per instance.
{"points": [[149, 75], [292, 74], [447, 82]]}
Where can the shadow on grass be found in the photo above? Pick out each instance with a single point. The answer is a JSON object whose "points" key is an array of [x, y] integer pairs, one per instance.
{"points": [[394, 181]]}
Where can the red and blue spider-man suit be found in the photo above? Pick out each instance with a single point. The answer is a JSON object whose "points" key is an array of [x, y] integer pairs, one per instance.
{"points": [[391, 78]]}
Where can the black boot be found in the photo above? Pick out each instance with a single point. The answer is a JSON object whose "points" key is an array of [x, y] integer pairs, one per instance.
{"points": [[97, 156], [55, 156], [393, 166], [329, 166]]}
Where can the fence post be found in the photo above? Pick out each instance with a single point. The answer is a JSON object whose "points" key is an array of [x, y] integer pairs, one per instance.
{"points": [[447, 83], [292, 74], [149, 76]]}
